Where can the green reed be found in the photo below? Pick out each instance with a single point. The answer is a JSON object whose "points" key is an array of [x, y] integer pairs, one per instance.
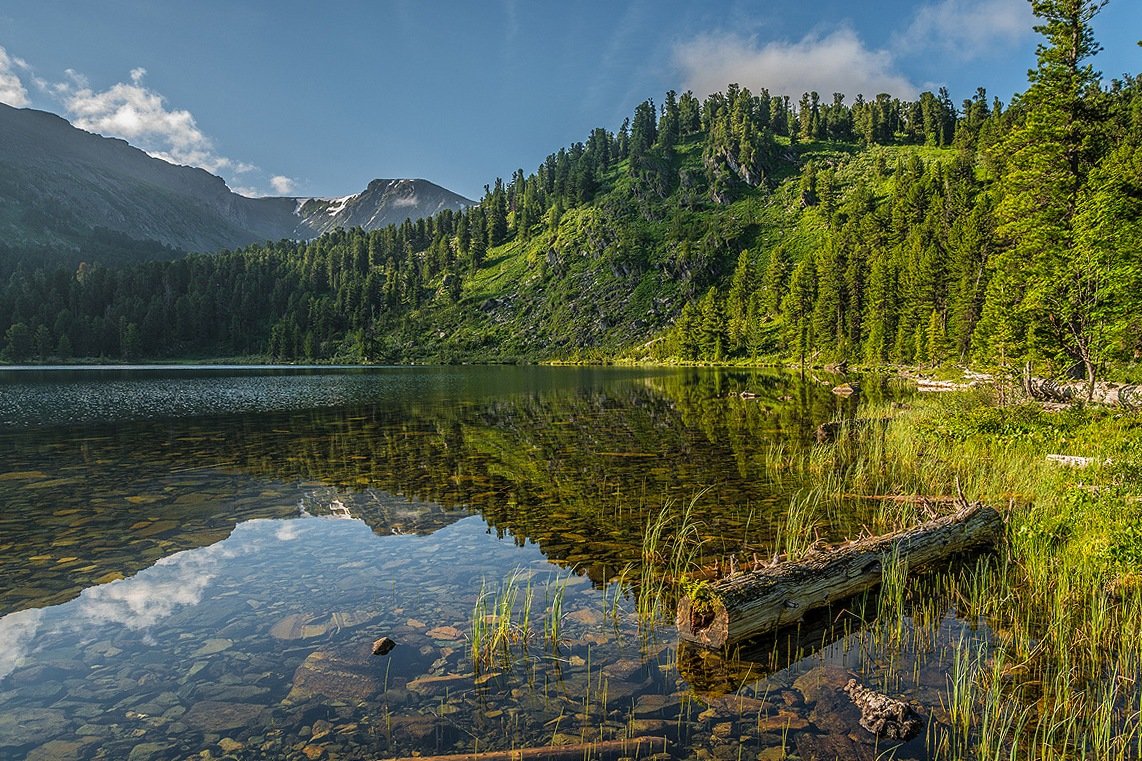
{"points": [[799, 532], [672, 546], [496, 625], [1062, 593]]}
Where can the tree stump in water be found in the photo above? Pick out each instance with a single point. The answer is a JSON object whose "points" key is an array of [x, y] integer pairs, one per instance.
{"points": [[883, 716], [762, 600]]}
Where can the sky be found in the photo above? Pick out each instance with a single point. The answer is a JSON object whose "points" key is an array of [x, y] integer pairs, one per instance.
{"points": [[316, 99]]}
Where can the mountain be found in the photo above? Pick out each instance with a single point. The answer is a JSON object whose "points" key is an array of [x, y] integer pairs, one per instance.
{"points": [[68, 194], [382, 203]]}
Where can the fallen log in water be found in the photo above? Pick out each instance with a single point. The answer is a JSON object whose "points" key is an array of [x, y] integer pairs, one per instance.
{"points": [[759, 601], [633, 747]]}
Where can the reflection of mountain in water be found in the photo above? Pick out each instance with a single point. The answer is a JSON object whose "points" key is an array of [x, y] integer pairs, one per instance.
{"points": [[577, 470], [384, 513]]}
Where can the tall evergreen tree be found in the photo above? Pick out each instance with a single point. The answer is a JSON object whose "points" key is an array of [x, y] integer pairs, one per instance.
{"points": [[1051, 152]]}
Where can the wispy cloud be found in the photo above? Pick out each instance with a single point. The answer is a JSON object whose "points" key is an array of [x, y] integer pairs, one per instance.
{"points": [[12, 89], [966, 29], [835, 62]]}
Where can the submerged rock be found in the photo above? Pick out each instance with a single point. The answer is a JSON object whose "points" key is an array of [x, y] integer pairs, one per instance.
{"points": [[216, 715], [328, 675], [30, 725]]}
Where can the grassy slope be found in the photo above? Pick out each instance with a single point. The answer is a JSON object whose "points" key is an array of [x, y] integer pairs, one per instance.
{"points": [[615, 273]]}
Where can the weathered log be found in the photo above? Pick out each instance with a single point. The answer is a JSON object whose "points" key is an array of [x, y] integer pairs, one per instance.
{"points": [[1110, 394], [634, 747], [884, 716], [1072, 461], [762, 600]]}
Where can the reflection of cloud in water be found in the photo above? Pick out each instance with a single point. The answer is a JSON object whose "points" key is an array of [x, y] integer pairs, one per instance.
{"points": [[171, 583], [288, 530], [148, 597], [17, 630], [156, 592]]}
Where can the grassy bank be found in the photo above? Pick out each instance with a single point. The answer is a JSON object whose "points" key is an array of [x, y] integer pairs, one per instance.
{"points": [[1064, 594]]}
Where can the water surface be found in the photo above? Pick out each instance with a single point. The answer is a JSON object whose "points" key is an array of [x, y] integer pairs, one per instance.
{"points": [[198, 560]]}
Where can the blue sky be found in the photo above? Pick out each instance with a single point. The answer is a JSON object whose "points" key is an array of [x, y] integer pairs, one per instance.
{"points": [[308, 98]]}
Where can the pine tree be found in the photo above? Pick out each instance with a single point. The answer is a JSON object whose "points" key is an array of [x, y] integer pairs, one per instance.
{"points": [[1049, 156], [737, 302]]}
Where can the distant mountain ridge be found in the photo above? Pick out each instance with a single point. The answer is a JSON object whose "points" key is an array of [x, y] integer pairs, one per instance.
{"points": [[62, 188], [382, 203]]}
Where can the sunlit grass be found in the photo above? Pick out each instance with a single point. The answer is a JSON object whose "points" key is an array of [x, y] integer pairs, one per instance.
{"points": [[1062, 594]]}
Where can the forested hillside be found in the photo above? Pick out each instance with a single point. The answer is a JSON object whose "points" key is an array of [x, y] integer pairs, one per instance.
{"points": [[737, 226]]}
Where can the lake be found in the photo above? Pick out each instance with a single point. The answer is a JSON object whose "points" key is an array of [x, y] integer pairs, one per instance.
{"points": [[196, 562]]}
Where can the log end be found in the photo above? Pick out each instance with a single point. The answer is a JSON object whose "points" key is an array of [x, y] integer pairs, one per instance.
{"points": [[704, 622]]}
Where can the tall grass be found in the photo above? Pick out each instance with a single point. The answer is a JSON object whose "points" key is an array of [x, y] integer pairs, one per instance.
{"points": [[672, 546], [496, 624], [1062, 676]]}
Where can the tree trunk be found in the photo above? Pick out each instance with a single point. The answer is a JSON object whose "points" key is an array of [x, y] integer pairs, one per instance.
{"points": [[765, 599], [1111, 394]]}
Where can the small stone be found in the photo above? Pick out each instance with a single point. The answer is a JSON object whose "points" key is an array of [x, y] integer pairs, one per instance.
{"points": [[212, 646], [229, 745], [214, 715], [58, 750], [146, 751], [450, 633], [298, 626], [821, 679], [383, 645], [313, 752], [585, 616]]}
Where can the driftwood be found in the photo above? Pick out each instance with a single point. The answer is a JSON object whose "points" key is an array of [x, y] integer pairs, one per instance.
{"points": [[764, 599], [1072, 461], [884, 716], [1110, 394], [634, 747]]}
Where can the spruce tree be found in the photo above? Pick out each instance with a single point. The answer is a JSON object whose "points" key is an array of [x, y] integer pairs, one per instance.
{"points": [[1049, 154]]}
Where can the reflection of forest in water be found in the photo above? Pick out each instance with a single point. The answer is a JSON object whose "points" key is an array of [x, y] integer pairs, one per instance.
{"points": [[577, 470]]}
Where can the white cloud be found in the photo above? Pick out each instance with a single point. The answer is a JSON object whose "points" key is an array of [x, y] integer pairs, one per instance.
{"points": [[12, 89], [836, 62], [142, 117], [282, 185], [967, 29]]}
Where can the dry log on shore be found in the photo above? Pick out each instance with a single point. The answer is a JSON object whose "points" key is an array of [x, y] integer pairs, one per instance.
{"points": [[1110, 394], [1072, 461], [634, 747], [764, 599]]}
